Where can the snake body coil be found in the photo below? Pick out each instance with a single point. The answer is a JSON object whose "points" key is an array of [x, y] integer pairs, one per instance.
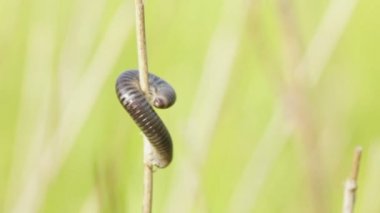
{"points": [[138, 105]]}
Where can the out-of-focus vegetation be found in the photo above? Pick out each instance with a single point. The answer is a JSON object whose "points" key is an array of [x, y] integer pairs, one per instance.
{"points": [[273, 96]]}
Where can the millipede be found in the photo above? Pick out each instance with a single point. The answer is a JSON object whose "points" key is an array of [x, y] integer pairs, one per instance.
{"points": [[139, 106]]}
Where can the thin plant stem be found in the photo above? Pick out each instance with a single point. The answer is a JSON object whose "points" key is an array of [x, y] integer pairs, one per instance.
{"points": [[148, 189], [351, 186], [144, 85], [141, 46], [356, 163]]}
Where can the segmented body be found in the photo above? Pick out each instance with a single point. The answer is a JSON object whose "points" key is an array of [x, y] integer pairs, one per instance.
{"points": [[138, 105]]}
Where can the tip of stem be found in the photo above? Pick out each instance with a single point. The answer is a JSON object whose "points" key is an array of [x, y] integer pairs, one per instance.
{"points": [[358, 150]]}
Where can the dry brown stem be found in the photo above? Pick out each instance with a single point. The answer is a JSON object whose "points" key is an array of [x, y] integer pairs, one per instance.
{"points": [[351, 186], [141, 45], [148, 189], [144, 85]]}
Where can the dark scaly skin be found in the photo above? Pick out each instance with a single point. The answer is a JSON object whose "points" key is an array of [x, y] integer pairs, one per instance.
{"points": [[137, 104]]}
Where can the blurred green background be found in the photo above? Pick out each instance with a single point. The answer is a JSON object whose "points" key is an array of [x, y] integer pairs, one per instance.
{"points": [[273, 97]]}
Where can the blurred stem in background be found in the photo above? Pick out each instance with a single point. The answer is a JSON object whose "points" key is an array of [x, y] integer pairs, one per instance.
{"points": [[294, 104], [28, 193], [207, 105]]}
